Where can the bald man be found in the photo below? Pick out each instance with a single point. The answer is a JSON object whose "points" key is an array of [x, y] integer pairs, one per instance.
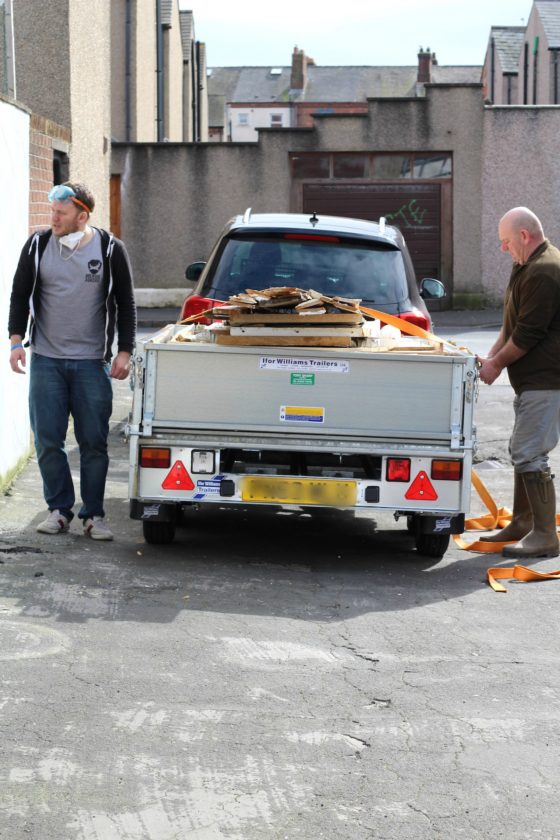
{"points": [[529, 348]]}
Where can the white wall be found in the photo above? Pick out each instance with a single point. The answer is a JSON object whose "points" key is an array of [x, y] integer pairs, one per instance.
{"points": [[14, 221], [256, 118]]}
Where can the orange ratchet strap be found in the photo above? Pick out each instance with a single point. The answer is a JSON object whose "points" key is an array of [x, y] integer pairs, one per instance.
{"points": [[498, 518], [520, 573]]}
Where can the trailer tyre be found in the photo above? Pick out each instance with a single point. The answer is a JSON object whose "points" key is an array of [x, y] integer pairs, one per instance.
{"points": [[158, 533], [432, 545]]}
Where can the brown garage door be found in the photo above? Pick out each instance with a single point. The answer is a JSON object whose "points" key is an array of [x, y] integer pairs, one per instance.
{"points": [[414, 208]]}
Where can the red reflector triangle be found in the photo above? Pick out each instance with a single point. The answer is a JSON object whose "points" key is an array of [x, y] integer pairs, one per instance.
{"points": [[177, 478], [421, 489]]}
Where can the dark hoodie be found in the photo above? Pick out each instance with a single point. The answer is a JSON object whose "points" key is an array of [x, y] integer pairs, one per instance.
{"points": [[25, 302]]}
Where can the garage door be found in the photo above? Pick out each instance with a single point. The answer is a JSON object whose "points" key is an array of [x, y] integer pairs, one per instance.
{"points": [[414, 208]]}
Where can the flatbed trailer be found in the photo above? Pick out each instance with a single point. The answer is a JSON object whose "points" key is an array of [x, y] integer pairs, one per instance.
{"points": [[350, 428]]}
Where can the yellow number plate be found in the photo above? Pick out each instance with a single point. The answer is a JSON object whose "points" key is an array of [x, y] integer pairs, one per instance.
{"points": [[298, 491]]}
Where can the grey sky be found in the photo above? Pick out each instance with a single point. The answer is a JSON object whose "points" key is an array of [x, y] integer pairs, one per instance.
{"points": [[350, 32]]}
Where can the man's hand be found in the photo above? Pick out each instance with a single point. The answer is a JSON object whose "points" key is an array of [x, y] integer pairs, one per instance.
{"points": [[121, 365], [489, 370], [17, 358]]}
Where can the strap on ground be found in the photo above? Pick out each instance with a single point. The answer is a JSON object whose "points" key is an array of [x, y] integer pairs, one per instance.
{"points": [[498, 518], [520, 573]]}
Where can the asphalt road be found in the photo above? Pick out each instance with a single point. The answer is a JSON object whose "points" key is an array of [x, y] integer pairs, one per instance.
{"points": [[273, 675]]}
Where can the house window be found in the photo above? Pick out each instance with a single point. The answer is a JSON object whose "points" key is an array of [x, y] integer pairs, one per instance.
{"points": [[243, 119], [311, 166], [432, 166], [276, 120], [392, 166], [378, 167], [349, 166]]}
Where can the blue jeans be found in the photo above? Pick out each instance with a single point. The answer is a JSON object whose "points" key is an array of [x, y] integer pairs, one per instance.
{"points": [[82, 388]]}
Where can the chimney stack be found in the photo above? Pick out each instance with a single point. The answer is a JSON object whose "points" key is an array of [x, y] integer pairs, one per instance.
{"points": [[424, 66], [300, 62]]}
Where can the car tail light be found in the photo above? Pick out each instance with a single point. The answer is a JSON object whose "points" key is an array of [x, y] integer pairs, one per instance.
{"points": [[157, 458], [417, 318], [195, 304], [447, 470], [398, 469]]}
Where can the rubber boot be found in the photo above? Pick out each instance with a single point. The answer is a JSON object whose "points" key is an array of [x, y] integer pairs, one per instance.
{"points": [[542, 541], [521, 519]]}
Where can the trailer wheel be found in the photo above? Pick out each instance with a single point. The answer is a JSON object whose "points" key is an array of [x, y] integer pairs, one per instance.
{"points": [[158, 533], [432, 545]]}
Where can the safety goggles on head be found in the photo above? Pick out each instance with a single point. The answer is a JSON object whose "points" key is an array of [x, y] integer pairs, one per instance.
{"points": [[64, 193]]}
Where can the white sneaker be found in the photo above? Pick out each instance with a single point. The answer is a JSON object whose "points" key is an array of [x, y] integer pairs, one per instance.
{"points": [[97, 529], [55, 523]]}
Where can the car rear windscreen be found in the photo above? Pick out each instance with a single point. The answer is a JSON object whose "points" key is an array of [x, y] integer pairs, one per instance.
{"points": [[374, 272]]}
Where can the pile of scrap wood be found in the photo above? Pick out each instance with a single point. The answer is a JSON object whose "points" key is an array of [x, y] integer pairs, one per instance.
{"points": [[288, 300], [289, 317]]}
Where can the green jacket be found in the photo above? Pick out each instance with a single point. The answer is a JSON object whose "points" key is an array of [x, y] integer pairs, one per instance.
{"points": [[532, 320]]}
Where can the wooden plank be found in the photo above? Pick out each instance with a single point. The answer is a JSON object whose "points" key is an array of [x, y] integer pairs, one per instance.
{"points": [[239, 318], [284, 341], [305, 330]]}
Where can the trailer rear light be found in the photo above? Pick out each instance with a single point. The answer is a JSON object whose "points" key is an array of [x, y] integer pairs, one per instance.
{"points": [[417, 318], [398, 469], [195, 304], [447, 470], [203, 461], [156, 458]]}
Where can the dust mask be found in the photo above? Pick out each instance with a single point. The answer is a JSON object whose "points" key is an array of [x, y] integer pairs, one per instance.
{"points": [[72, 240]]}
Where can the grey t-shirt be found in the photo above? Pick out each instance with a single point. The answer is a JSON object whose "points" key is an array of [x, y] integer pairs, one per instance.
{"points": [[70, 323]]}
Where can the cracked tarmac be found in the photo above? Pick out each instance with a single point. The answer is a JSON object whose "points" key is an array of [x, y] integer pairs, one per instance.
{"points": [[272, 675]]}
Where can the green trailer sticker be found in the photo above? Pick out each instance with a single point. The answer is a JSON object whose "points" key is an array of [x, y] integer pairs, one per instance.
{"points": [[302, 379]]}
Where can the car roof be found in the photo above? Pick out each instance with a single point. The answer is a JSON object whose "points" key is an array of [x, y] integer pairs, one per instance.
{"points": [[317, 223]]}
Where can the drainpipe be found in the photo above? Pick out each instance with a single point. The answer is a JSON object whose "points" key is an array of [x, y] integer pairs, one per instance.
{"points": [[194, 76], [9, 50], [492, 69], [555, 76], [535, 67], [159, 72], [525, 73], [198, 90], [127, 71]]}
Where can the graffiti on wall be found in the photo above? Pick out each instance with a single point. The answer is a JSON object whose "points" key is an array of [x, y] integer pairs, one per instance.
{"points": [[411, 214]]}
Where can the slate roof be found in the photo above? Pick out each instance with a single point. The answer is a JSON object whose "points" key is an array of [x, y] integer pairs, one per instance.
{"points": [[549, 13], [508, 42], [329, 84]]}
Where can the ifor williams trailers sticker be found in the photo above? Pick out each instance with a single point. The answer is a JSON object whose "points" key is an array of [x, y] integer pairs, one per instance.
{"points": [[303, 365]]}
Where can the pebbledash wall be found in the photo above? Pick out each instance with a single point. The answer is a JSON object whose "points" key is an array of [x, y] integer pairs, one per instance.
{"points": [[177, 197], [14, 221], [520, 167]]}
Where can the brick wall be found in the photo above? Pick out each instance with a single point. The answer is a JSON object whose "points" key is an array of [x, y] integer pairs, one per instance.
{"points": [[305, 110], [44, 136]]}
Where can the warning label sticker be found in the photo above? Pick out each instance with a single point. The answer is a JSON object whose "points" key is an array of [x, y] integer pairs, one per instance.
{"points": [[302, 379], [302, 414]]}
